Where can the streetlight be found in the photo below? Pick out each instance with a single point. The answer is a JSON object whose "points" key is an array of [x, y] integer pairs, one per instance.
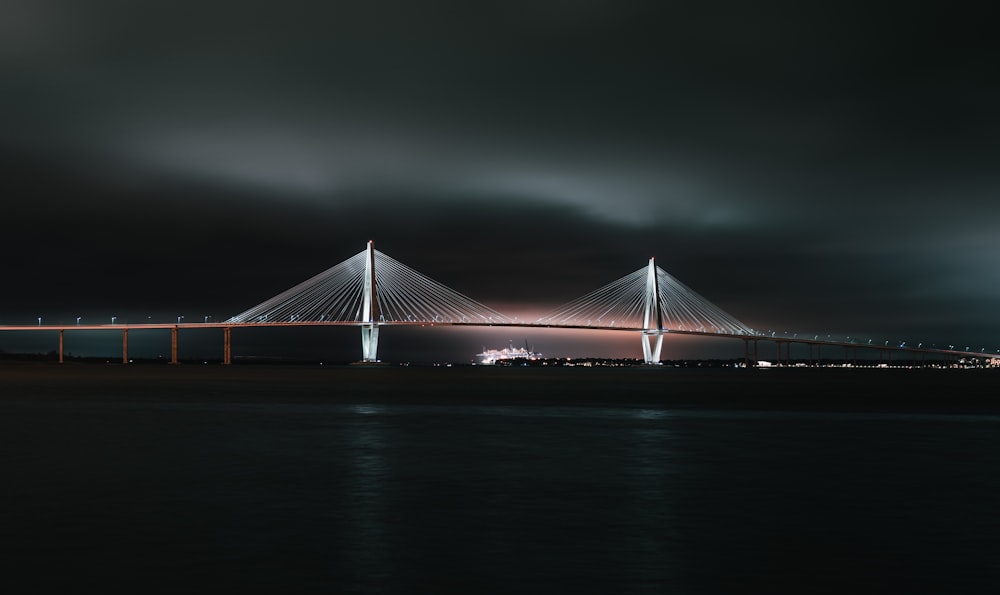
{"points": [[113, 319], [39, 321], [78, 320], [206, 320], [179, 318]]}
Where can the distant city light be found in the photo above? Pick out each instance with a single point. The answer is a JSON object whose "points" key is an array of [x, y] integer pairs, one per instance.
{"points": [[491, 356]]}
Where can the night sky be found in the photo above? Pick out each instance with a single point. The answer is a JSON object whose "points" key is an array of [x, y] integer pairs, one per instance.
{"points": [[823, 167]]}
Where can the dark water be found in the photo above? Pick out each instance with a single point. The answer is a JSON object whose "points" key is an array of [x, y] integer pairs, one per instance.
{"points": [[432, 480]]}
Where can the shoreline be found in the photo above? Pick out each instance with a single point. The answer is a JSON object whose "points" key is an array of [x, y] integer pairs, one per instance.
{"points": [[837, 389]]}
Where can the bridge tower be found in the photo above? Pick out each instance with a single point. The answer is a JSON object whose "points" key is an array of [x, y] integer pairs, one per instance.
{"points": [[370, 313], [652, 320]]}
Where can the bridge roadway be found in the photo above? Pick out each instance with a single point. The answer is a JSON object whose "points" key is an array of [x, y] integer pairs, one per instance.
{"points": [[750, 341]]}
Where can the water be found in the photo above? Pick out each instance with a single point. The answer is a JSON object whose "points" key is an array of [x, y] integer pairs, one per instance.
{"points": [[345, 480]]}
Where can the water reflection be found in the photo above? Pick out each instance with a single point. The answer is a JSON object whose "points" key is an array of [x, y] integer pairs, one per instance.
{"points": [[366, 533], [650, 487]]}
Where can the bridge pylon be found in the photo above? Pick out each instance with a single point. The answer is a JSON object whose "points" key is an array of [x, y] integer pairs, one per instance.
{"points": [[652, 320], [370, 313]]}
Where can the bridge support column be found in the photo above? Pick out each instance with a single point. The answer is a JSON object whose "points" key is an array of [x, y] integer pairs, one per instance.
{"points": [[370, 310], [652, 317], [124, 345], [173, 345], [60, 346], [227, 345]]}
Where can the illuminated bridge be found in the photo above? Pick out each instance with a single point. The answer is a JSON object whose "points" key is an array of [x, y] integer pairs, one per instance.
{"points": [[372, 290]]}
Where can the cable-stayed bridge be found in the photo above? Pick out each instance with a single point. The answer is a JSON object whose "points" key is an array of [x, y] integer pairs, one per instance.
{"points": [[373, 290]]}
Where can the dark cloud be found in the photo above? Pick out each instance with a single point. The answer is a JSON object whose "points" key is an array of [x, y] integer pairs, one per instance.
{"points": [[828, 166]]}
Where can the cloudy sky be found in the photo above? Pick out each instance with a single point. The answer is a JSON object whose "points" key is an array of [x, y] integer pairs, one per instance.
{"points": [[823, 167]]}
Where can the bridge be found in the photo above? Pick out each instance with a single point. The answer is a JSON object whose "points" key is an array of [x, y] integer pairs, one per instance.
{"points": [[372, 290]]}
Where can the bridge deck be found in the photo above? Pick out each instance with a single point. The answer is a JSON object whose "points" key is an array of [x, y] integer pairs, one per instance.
{"points": [[248, 325]]}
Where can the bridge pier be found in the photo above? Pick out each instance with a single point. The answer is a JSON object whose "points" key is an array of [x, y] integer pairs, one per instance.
{"points": [[651, 352], [884, 356], [60, 346], [173, 345], [369, 342], [124, 345], [227, 345]]}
